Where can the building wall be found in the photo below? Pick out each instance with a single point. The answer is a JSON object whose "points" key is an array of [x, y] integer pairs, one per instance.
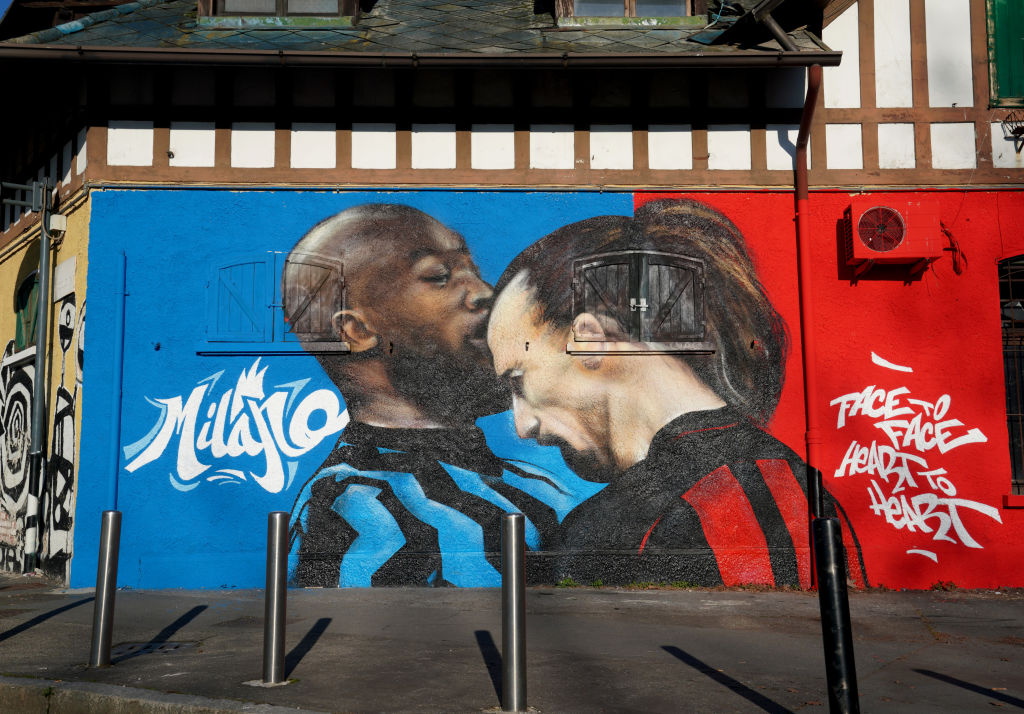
{"points": [[906, 112], [66, 323], [216, 433], [908, 105]]}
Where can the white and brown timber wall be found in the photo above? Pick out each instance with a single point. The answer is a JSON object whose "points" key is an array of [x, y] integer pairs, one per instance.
{"points": [[908, 107]]}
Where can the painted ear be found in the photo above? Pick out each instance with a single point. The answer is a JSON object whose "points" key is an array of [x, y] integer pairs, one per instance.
{"points": [[586, 326], [351, 327]]}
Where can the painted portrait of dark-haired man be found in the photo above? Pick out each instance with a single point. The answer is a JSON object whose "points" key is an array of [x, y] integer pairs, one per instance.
{"points": [[647, 349], [390, 302]]}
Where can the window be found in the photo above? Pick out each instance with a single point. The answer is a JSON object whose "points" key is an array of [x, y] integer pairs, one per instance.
{"points": [[275, 14], [247, 305], [646, 301], [632, 8], [26, 306], [314, 291], [612, 12], [1005, 50], [1011, 299], [281, 8], [240, 301]]}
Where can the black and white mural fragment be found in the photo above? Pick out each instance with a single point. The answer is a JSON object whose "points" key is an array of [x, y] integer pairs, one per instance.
{"points": [[55, 503]]}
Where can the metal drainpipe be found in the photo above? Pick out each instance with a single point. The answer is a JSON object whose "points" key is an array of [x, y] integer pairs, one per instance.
{"points": [[120, 294], [803, 249], [33, 518]]}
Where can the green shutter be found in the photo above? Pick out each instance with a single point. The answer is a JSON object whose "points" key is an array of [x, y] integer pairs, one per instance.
{"points": [[27, 307], [1006, 52]]}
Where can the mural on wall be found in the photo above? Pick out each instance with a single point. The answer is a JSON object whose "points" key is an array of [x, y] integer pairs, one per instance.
{"points": [[906, 482], [412, 494], [16, 376], [642, 350], [398, 369], [698, 491], [58, 496]]}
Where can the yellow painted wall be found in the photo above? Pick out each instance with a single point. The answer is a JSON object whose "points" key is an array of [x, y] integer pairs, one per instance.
{"points": [[18, 259]]}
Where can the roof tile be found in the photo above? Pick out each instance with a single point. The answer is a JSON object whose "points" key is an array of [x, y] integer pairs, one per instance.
{"points": [[394, 26]]}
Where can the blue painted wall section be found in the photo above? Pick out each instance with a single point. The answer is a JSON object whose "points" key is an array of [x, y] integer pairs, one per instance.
{"points": [[225, 418]]}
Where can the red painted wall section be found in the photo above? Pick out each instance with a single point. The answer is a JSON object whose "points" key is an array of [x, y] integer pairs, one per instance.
{"points": [[911, 385]]}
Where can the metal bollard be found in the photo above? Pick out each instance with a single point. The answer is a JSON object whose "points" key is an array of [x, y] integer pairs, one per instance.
{"points": [[513, 613], [816, 502], [836, 633], [815, 492], [275, 597], [106, 587]]}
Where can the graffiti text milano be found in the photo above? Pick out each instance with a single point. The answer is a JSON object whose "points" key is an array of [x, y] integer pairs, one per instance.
{"points": [[243, 421]]}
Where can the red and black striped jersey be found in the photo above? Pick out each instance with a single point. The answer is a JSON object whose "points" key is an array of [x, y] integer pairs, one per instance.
{"points": [[717, 501]]}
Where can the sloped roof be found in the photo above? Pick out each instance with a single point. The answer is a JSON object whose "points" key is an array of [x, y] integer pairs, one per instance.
{"points": [[418, 28]]}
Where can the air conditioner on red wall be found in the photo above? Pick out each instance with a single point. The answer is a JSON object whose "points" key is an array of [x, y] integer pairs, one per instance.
{"points": [[888, 232]]}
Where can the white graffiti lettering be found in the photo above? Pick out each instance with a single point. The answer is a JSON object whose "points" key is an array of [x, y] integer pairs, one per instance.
{"points": [[242, 422], [904, 489]]}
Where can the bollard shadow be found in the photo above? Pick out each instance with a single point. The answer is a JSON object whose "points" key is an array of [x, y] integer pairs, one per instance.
{"points": [[165, 634], [752, 696], [492, 658], [1008, 699], [292, 659], [18, 629]]}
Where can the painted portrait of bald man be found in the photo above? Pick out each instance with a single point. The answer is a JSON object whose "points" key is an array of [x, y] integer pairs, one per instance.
{"points": [[391, 304]]}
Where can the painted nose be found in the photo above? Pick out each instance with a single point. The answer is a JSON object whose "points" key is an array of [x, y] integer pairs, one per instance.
{"points": [[527, 423], [478, 294]]}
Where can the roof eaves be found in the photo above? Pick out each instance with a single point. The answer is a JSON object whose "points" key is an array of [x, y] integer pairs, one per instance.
{"points": [[299, 58]]}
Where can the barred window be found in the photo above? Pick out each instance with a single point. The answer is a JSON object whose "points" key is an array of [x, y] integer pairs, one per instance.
{"points": [[647, 300], [1011, 298]]}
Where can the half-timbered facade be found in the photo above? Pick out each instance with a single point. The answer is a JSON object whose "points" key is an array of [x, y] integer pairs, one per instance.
{"points": [[191, 147]]}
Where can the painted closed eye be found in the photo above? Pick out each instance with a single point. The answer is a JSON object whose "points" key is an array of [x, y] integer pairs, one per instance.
{"points": [[439, 278]]}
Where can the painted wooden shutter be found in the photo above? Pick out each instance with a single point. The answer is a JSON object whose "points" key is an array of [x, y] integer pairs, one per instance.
{"points": [[1006, 51], [314, 290], [27, 307], [673, 288], [240, 302], [602, 285]]}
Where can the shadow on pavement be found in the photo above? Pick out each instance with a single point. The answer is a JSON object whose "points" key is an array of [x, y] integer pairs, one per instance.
{"points": [[724, 679], [1014, 701], [41, 618], [292, 659], [165, 634], [492, 659]]}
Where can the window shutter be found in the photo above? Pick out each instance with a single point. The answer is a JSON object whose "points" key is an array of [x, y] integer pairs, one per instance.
{"points": [[314, 290], [674, 294], [655, 299], [240, 302], [602, 285], [1006, 50], [27, 307]]}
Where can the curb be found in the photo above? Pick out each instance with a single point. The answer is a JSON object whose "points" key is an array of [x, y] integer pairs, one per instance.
{"points": [[42, 696]]}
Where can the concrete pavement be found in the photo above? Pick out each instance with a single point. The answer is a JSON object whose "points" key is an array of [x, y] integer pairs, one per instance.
{"points": [[438, 650]]}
